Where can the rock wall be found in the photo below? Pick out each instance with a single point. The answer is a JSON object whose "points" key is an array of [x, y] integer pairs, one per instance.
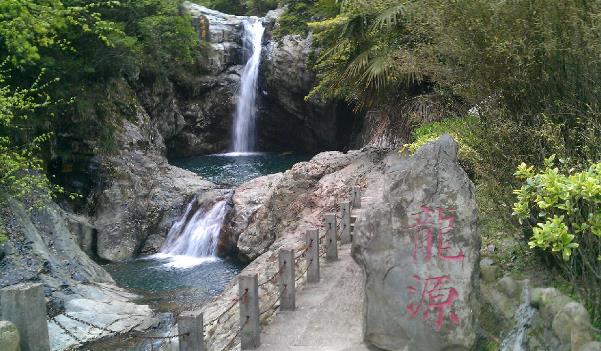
{"points": [[41, 248]]}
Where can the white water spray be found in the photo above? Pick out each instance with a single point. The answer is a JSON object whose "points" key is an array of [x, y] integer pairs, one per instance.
{"points": [[246, 109], [194, 241], [514, 341]]}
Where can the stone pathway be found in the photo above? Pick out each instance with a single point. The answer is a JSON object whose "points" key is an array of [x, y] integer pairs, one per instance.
{"points": [[328, 315]]}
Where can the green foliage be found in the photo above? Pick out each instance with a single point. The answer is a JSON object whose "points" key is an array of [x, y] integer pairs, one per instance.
{"points": [[561, 209], [81, 46], [300, 12], [21, 170], [368, 56]]}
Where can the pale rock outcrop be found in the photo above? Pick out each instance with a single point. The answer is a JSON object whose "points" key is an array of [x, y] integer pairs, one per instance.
{"points": [[420, 250]]}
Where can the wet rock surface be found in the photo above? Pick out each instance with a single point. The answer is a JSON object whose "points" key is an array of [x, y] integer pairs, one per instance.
{"points": [[419, 248], [287, 121], [523, 317]]}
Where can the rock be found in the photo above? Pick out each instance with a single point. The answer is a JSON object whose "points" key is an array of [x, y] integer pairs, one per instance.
{"points": [[42, 249], [223, 33], [421, 291], [144, 195], [591, 346], [84, 233], [298, 202], [286, 120], [247, 201], [508, 286], [569, 320], [565, 324], [104, 306], [9, 337]]}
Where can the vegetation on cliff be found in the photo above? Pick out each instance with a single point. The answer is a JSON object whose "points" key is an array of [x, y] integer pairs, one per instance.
{"points": [[57, 55]]}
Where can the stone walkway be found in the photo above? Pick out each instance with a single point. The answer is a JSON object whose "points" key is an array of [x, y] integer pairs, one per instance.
{"points": [[328, 315]]}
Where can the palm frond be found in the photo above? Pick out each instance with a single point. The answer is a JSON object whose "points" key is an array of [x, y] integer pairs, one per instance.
{"points": [[389, 17]]}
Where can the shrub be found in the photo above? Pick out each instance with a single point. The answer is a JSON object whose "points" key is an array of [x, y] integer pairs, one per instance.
{"points": [[561, 211]]}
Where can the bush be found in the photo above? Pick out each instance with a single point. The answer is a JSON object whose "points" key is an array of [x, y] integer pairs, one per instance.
{"points": [[561, 210]]}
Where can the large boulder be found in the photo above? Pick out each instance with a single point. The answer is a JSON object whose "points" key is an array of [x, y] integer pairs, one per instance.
{"points": [[420, 253]]}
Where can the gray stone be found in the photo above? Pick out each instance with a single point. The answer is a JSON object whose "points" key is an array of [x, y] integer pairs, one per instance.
{"points": [[84, 232], [591, 346], [25, 306], [9, 336], [570, 317], [241, 230], [421, 290], [489, 273], [191, 323], [286, 120], [145, 196]]}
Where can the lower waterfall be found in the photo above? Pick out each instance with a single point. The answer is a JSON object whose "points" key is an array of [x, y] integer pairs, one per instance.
{"points": [[193, 240]]}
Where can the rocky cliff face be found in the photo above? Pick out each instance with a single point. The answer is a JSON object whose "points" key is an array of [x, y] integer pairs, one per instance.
{"points": [[287, 121], [42, 248]]}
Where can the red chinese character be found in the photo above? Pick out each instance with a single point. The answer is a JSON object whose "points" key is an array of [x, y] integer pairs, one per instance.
{"points": [[426, 225], [432, 297]]}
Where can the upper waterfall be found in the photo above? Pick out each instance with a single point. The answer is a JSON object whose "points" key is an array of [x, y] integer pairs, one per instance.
{"points": [[246, 109]]}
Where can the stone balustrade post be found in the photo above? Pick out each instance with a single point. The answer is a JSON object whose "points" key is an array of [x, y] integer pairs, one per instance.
{"points": [[25, 306], [313, 256], [287, 280], [190, 329], [250, 330], [345, 222], [331, 237]]}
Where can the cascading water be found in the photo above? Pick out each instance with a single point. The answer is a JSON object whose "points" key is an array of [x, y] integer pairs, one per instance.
{"points": [[194, 241], [246, 109], [514, 341]]}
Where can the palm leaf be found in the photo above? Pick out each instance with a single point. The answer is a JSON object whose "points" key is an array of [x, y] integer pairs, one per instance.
{"points": [[389, 17]]}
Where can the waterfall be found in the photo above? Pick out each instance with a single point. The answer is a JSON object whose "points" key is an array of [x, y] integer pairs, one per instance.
{"points": [[193, 240], [246, 109], [514, 341]]}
